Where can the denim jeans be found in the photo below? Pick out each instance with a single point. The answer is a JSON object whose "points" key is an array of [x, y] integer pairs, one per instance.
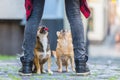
{"points": [[76, 25]]}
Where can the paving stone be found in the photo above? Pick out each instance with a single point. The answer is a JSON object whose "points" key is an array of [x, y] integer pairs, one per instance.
{"points": [[99, 71]]}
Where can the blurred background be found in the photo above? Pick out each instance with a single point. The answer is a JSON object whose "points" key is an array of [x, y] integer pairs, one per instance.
{"points": [[102, 28]]}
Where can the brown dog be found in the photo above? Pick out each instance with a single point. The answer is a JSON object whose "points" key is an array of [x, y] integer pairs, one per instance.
{"points": [[42, 53], [64, 50]]}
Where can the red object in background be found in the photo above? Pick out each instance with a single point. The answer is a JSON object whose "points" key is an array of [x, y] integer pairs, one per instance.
{"points": [[28, 7], [83, 8], [117, 38]]}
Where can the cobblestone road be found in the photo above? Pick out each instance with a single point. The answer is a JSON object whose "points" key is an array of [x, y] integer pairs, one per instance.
{"points": [[101, 69]]}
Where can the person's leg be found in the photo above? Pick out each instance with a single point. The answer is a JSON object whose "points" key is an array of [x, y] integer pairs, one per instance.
{"points": [[77, 30], [30, 36]]}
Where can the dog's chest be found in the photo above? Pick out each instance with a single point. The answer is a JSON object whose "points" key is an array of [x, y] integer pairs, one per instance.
{"points": [[64, 45], [44, 42], [44, 47]]}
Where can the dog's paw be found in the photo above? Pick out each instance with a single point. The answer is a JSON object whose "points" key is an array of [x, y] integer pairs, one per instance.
{"points": [[67, 70], [50, 72], [73, 69], [43, 71], [38, 72], [59, 70]]}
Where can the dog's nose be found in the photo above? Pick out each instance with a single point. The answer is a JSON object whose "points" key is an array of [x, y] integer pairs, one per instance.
{"points": [[45, 28]]}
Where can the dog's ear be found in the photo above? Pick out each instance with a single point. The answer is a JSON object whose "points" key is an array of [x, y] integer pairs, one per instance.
{"points": [[58, 33]]}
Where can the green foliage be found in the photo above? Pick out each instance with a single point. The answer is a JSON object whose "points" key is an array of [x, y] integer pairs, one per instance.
{"points": [[1, 78], [13, 77], [113, 78], [64, 76], [39, 77], [6, 57], [54, 79]]}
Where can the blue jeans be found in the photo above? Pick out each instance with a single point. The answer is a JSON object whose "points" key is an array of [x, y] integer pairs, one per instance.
{"points": [[74, 17]]}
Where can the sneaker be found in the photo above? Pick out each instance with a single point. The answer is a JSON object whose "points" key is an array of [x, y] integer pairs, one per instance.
{"points": [[26, 69], [81, 67]]}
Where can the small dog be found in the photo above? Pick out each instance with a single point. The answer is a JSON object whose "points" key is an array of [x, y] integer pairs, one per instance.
{"points": [[42, 52], [64, 50]]}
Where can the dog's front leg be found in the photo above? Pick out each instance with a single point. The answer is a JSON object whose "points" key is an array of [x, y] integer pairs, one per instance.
{"points": [[67, 63], [59, 64], [49, 65], [37, 65], [72, 63], [42, 69]]}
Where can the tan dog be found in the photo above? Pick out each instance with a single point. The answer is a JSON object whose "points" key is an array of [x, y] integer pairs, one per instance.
{"points": [[42, 53], [64, 50]]}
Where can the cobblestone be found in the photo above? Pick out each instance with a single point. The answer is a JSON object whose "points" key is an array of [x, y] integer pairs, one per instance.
{"points": [[101, 69]]}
